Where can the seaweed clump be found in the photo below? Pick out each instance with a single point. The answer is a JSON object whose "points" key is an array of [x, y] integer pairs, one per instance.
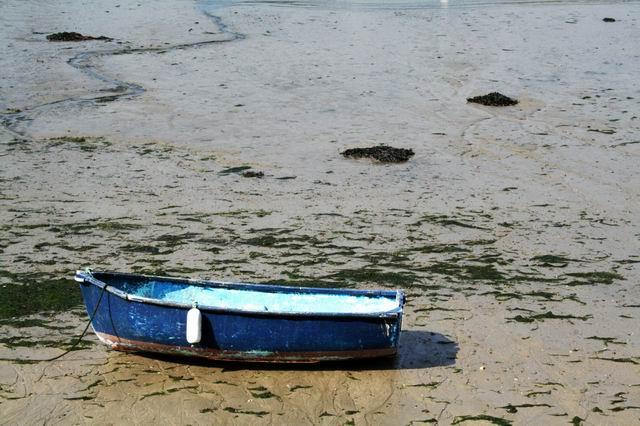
{"points": [[493, 99], [381, 153], [253, 174], [73, 36]]}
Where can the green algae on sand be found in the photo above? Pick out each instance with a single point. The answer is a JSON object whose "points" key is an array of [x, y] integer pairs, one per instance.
{"points": [[32, 293]]}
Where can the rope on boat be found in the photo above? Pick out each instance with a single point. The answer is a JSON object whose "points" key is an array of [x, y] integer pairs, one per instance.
{"points": [[74, 345]]}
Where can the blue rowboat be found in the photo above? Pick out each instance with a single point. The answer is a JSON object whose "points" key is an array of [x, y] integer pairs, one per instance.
{"points": [[236, 321]]}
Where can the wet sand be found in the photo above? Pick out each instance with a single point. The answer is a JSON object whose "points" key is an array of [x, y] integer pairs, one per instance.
{"points": [[514, 231]]}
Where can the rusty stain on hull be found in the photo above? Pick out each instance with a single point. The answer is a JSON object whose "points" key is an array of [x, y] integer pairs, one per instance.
{"points": [[127, 345]]}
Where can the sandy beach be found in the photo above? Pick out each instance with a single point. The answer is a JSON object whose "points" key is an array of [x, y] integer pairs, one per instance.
{"points": [[514, 231]]}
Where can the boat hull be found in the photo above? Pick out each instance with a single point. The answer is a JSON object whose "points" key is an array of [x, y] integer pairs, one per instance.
{"points": [[126, 345], [132, 325]]}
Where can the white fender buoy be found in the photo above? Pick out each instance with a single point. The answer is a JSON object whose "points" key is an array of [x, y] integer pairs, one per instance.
{"points": [[194, 325]]}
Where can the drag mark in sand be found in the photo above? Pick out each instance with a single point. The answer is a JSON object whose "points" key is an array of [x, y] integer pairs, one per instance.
{"points": [[84, 62]]}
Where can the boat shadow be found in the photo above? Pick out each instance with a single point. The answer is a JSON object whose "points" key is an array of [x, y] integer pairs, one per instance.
{"points": [[424, 349], [417, 349]]}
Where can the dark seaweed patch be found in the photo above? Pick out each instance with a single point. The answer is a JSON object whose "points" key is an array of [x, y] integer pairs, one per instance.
{"points": [[576, 421], [253, 174], [621, 360], [178, 239], [607, 340], [464, 272], [551, 260], [194, 217], [493, 99], [536, 393], [141, 248], [479, 242], [24, 322], [483, 272], [73, 36], [154, 148], [272, 240], [491, 419], [551, 384], [627, 261], [105, 99], [86, 144], [233, 170], [351, 376], [548, 315], [525, 277], [19, 361], [73, 139], [444, 220], [511, 408], [165, 272], [543, 295], [628, 407], [152, 394], [180, 378], [453, 222], [19, 342], [94, 384], [441, 248], [79, 398], [239, 411], [372, 275], [381, 153], [439, 308], [262, 241], [430, 385], [262, 393], [296, 387], [173, 390], [231, 213], [593, 278], [113, 225]]}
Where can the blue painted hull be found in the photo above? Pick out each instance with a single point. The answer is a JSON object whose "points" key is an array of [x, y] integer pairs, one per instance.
{"points": [[132, 323]]}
